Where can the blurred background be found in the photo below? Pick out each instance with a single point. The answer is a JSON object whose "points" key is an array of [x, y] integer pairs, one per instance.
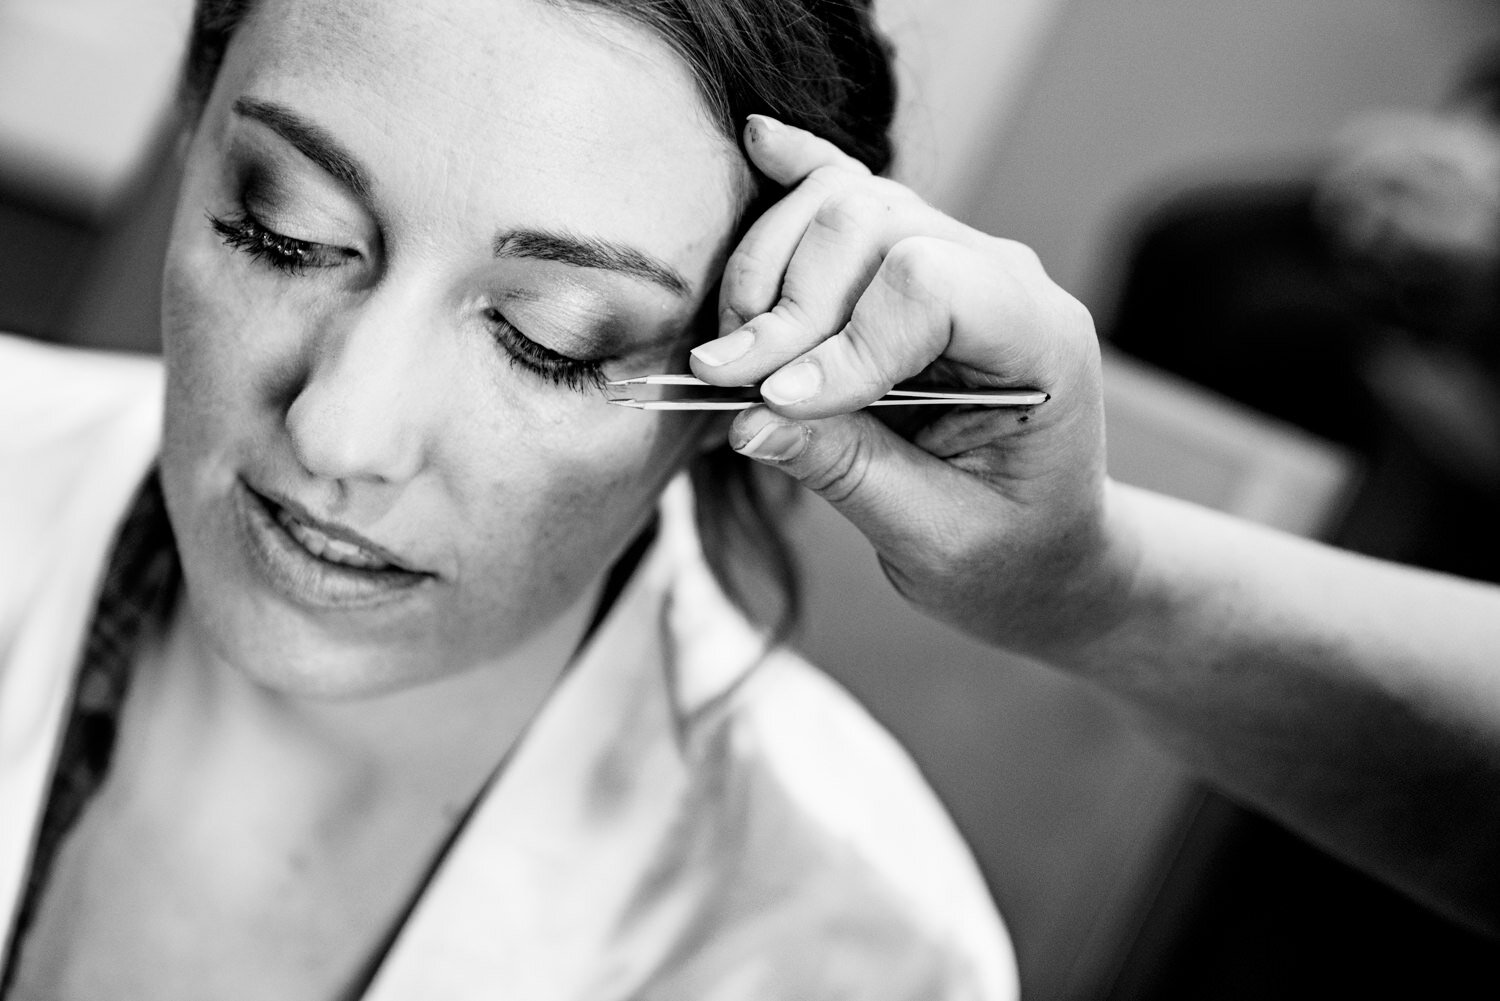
{"points": [[1283, 216]]}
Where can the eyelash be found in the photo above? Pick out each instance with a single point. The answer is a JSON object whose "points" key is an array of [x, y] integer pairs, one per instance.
{"points": [[286, 254], [289, 255], [576, 374]]}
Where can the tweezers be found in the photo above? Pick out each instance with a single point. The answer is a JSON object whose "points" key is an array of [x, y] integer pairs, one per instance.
{"points": [[743, 398]]}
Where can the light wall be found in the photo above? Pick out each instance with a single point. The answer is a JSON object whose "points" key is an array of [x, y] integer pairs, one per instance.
{"points": [[962, 66], [1131, 98], [84, 86]]}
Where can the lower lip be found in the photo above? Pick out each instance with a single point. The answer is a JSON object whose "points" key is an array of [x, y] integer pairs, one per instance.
{"points": [[307, 579]]}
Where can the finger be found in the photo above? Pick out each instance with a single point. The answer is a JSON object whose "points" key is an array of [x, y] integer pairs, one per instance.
{"points": [[995, 325], [787, 154], [790, 157], [753, 273], [837, 257], [897, 495]]}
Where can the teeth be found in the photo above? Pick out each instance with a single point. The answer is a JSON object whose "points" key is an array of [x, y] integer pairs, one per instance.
{"points": [[327, 548]]}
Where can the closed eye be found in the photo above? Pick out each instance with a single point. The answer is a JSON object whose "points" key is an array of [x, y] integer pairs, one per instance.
{"points": [[578, 374], [287, 254]]}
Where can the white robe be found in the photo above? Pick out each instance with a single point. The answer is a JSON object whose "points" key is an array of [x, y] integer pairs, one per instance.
{"points": [[686, 818]]}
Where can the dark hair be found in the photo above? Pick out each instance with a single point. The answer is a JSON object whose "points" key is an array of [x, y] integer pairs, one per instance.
{"points": [[820, 65]]}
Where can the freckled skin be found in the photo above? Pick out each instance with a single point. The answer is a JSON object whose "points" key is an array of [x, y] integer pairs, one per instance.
{"points": [[373, 391]]}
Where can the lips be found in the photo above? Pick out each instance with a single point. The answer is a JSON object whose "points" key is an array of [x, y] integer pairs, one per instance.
{"points": [[326, 547], [319, 563], [329, 541]]}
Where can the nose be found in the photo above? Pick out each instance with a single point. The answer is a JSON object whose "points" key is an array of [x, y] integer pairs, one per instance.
{"points": [[363, 411]]}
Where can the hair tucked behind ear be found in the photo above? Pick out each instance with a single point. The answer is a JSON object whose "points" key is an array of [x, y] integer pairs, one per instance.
{"points": [[820, 65]]}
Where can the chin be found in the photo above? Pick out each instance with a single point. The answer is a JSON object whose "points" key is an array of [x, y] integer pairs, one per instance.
{"points": [[278, 650]]}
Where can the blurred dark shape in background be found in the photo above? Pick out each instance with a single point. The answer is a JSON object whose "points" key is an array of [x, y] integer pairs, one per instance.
{"points": [[1362, 303], [86, 166], [88, 279], [43, 258]]}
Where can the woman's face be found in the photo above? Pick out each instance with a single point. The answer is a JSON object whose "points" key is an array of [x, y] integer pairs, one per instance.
{"points": [[413, 237]]}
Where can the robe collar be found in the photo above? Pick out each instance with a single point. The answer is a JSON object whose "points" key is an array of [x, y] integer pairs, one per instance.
{"points": [[541, 876]]}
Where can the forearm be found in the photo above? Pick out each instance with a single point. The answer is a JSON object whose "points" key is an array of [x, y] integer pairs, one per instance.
{"points": [[1357, 701]]}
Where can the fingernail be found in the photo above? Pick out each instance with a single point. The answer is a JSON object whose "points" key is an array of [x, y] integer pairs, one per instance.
{"points": [[776, 442], [730, 347], [762, 127], [794, 384]]}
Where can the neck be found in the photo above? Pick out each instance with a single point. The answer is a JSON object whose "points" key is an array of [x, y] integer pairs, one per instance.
{"points": [[438, 741]]}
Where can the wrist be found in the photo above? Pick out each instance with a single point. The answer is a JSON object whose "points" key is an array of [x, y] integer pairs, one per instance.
{"points": [[1066, 598], [1097, 594]]}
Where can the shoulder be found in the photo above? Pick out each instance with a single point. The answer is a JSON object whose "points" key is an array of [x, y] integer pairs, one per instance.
{"points": [[851, 781], [48, 392], [873, 873], [823, 748], [822, 864], [65, 412], [77, 430]]}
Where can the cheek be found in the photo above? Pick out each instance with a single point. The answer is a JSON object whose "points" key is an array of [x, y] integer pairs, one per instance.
{"points": [[197, 359], [566, 499], [552, 512], [230, 350], [204, 324]]}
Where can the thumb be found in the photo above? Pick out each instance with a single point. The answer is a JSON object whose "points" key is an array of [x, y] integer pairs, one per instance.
{"points": [[904, 500]]}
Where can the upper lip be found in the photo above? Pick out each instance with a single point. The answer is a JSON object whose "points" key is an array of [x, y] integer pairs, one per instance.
{"points": [[334, 530]]}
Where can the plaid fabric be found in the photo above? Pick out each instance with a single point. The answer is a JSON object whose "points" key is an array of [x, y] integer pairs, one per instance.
{"points": [[139, 586]]}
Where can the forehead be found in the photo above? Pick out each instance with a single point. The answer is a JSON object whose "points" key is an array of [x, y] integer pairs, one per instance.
{"points": [[547, 114]]}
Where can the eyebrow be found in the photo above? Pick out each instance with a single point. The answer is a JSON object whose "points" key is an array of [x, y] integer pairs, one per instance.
{"points": [[318, 145], [311, 140], [590, 252]]}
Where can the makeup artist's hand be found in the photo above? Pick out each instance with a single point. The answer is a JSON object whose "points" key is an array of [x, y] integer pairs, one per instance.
{"points": [[989, 518], [1353, 700]]}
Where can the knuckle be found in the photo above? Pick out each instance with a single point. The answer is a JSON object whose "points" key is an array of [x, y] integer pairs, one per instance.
{"points": [[744, 282], [820, 184], [843, 474], [1073, 313], [830, 177], [865, 361], [791, 309], [744, 266], [911, 268], [893, 191], [1016, 254], [847, 212]]}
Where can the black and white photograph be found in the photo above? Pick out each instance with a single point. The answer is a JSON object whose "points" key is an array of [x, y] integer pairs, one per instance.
{"points": [[749, 500]]}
